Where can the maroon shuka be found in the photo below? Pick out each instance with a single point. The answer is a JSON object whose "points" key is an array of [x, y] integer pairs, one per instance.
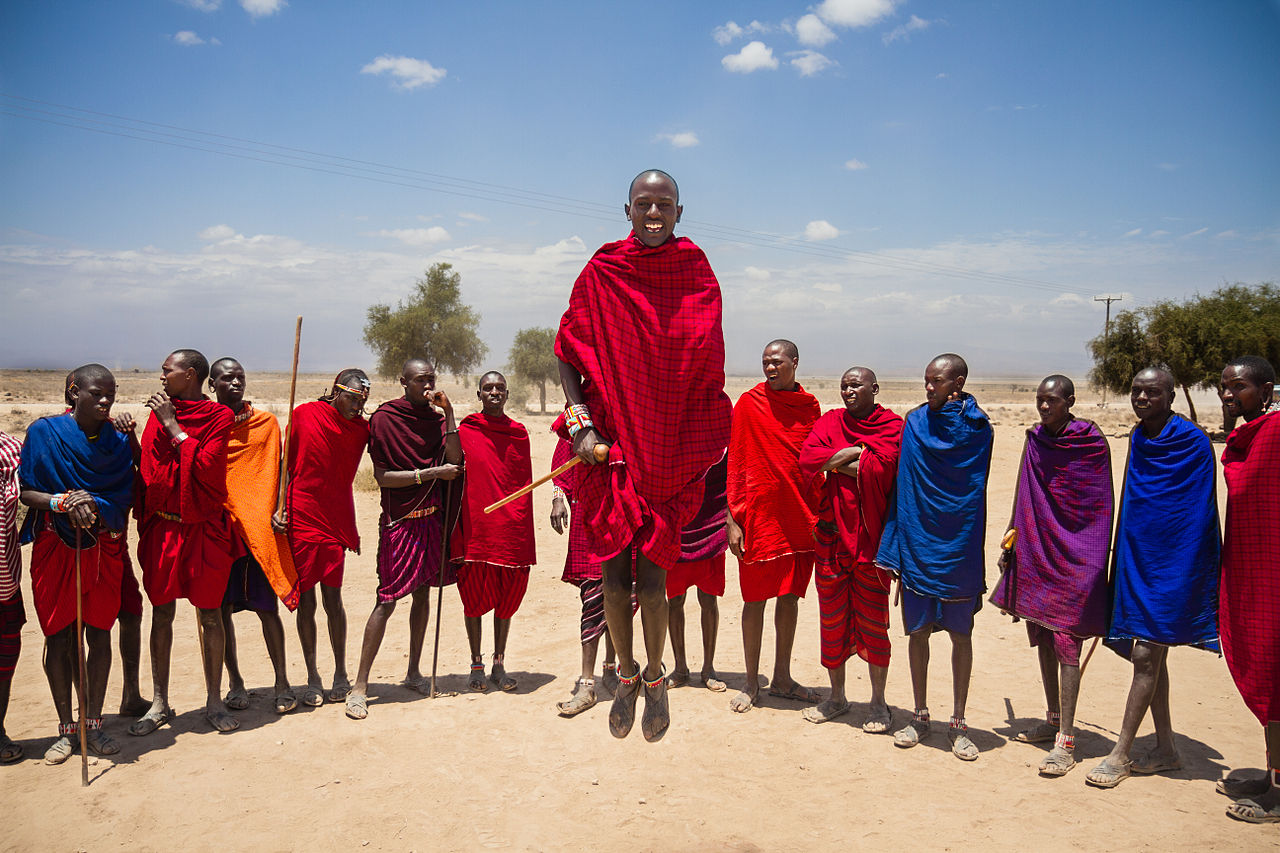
{"points": [[643, 329], [404, 437]]}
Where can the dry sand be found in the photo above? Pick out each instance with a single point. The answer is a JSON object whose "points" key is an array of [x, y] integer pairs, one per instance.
{"points": [[504, 771]]}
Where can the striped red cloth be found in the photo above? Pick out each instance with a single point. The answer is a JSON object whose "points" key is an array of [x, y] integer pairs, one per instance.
{"points": [[10, 553], [1249, 600], [638, 314]]}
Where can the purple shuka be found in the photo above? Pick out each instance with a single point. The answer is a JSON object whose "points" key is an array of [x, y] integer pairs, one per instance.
{"points": [[1062, 512]]}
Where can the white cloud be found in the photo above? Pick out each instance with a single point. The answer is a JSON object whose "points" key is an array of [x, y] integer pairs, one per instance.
{"points": [[854, 13], [216, 233], [686, 139], [473, 217], [203, 5], [1167, 167], [754, 56], [828, 287], [855, 165], [1195, 233], [904, 31], [730, 31], [811, 32], [810, 62], [757, 274], [1071, 300], [820, 229], [570, 247], [1160, 232], [187, 38], [408, 73], [262, 8], [1230, 232], [941, 75], [417, 236], [1134, 233]]}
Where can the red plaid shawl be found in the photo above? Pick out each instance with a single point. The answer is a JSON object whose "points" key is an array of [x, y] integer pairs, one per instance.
{"points": [[189, 480], [769, 498], [325, 450], [1249, 601], [858, 505], [643, 329], [498, 462]]}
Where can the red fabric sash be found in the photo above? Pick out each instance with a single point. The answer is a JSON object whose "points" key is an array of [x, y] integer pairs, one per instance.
{"points": [[773, 504], [498, 462], [403, 437], [325, 450], [189, 480], [636, 311], [856, 505], [1249, 597]]}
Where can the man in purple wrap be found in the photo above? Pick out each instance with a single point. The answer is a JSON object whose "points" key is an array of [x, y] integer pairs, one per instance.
{"points": [[413, 448], [1055, 577]]}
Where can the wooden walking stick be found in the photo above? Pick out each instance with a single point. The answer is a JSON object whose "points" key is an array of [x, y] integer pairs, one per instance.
{"points": [[284, 455], [444, 561], [601, 452], [84, 679]]}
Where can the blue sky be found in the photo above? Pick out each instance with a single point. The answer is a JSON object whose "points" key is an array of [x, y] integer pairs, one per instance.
{"points": [[877, 180]]}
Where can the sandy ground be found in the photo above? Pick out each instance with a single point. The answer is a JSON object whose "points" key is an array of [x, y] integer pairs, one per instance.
{"points": [[504, 771]]}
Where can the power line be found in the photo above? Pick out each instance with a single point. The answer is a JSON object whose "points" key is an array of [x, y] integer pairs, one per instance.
{"points": [[110, 124]]}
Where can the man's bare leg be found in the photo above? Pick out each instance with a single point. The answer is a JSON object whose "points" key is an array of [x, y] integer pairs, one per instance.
{"points": [[419, 616], [1047, 730], [374, 629], [675, 625], [336, 617], [918, 658], [131, 702], [237, 698], [584, 690], [609, 672], [212, 651], [305, 619], [1148, 662], [710, 607], [1165, 754], [58, 667], [475, 640], [161, 647], [273, 635], [617, 614], [786, 613], [961, 671], [1066, 680], [10, 750], [835, 704], [752, 639], [651, 590], [498, 675]]}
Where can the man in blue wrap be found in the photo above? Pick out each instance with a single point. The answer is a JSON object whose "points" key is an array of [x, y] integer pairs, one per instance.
{"points": [[933, 537], [1165, 564]]}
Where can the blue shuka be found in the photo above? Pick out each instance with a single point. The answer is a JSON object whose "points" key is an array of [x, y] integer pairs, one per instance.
{"points": [[1168, 543], [58, 457], [937, 517]]}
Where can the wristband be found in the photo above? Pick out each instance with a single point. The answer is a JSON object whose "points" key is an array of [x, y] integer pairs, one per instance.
{"points": [[57, 503], [577, 418], [179, 438], [557, 492], [417, 476]]}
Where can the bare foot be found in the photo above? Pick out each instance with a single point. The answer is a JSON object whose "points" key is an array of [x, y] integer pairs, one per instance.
{"points": [[745, 701], [499, 676], [237, 698], [657, 710], [341, 687], [609, 680], [880, 721], [155, 717], [622, 715]]}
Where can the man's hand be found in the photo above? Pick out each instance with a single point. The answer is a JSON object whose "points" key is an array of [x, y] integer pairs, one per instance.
{"points": [[737, 542], [280, 521], [440, 400], [584, 445], [559, 514], [124, 423], [448, 471], [162, 406], [81, 508]]}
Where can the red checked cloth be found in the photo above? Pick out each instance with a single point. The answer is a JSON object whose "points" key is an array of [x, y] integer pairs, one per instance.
{"points": [[498, 463]]}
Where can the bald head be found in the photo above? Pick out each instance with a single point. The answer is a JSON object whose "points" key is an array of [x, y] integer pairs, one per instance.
{"points": [[858, 389], [91, 391], [194, 360], [1156, 375], [86, 373], [650, 176], [1057, 382], [953, 365], [944, 380], [414, 366], [222, 365], [784, 346], [491, 375]]}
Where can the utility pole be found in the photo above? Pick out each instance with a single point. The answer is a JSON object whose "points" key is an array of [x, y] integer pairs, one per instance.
{"points": [[1106, 338]]}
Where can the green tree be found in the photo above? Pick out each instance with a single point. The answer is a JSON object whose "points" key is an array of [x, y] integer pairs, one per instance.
{"points": [[533, 359], [432, 323]]}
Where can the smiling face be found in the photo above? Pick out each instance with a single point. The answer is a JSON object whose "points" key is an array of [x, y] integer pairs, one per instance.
{"points": [[178, 380], [941, 380], [92, 399], [492, 394], [653, 209], [226, 377], [779, 368], [1243, 396], [858, 389], [1054, 406], [419, 380], [1151, 396]]}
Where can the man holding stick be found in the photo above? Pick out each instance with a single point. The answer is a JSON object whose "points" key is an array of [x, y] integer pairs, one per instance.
{"points": [[650, 301], [414, 449], [77, 477], [185, 535]]}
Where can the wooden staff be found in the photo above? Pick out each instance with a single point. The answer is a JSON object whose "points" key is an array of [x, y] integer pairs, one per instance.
{"points": [[601, 452], [284, 455], [84, 678], [444, 561]]}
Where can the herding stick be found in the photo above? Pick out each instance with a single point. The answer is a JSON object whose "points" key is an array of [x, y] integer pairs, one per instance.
{"points": [[444, 560], [84, 678], [601, 452], [284, 456]]}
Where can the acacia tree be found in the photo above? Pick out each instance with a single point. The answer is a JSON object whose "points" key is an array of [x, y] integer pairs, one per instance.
{"points": [[533, 359], [432, 323]]}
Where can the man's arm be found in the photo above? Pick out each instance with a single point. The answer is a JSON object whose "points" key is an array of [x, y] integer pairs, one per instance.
{"points": [[584, 443], [78, 504], [844, 461]]}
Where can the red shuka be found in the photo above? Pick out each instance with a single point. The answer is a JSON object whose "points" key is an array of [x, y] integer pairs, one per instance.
{"points": [[643, 330], [498, 462], [773, 504], [1249, 593], [856, 505], [325, 450]]}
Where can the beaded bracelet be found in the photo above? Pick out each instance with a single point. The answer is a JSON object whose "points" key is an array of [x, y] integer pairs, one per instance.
{"points": [[577, 418], [179, 438], [417, 476], [556, 492], [57, 503]]}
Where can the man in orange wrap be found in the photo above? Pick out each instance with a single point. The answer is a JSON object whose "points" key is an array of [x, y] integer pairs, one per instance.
{"points": [[493, 551], [184, 529], [263, 572], [771, 519]]}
